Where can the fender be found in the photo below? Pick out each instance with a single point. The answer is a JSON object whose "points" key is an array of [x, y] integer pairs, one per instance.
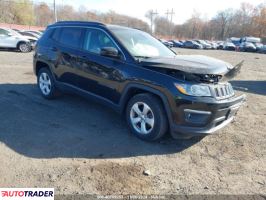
{"points": [[125, 97], [46, 63], [22, 40]]}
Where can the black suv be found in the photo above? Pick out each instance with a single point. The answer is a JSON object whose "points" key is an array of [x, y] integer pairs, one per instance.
{"points": [[135, 74]]}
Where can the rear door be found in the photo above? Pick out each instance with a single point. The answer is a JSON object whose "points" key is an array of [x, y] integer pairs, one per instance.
{"points": [[65, 51]]}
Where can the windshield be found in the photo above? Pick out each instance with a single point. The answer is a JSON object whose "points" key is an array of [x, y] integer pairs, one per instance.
{"points": [[141, 44]]}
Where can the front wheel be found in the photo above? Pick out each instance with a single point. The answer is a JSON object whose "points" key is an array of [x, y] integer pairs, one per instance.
{"points": [[146, 117], [24, 47]]}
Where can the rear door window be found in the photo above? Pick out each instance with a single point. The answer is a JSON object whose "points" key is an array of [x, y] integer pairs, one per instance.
{"points": [[71, 36]]}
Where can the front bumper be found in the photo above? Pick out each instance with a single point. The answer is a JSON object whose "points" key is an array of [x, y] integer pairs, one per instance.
{"points": [[33, 44], [199, 118]]}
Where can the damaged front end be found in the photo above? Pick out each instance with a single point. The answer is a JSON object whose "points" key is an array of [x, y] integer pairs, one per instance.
{"points": [[208, 101], [194, 73], [217, 83]]}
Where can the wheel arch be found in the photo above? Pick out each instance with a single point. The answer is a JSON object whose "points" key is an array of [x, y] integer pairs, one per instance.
{"points": [[20, 42], [134, 89], [39, 65]]}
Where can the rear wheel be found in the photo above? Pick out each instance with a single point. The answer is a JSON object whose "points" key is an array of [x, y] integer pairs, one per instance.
{"points": [[24, 47], [46, 84], [146, 117]]}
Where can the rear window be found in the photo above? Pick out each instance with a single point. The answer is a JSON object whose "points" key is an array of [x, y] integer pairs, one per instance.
{"points": [[71, 37]]}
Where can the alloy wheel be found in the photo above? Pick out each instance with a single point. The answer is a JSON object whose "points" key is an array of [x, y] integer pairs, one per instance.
{"points": [[45, 83], [24, 47], [142, 118]]}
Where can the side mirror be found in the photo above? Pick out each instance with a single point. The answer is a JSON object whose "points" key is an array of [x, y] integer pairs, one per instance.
{"points": [[110, 52], [9, 34]]}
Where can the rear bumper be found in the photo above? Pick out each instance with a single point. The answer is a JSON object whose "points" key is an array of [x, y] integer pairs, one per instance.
{"points": [[206, 118]]}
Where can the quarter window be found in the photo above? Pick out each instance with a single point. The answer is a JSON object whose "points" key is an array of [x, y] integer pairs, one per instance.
{"points": [[55, 34]]}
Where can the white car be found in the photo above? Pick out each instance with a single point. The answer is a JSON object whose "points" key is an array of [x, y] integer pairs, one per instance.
{"points": [[12, 39]]}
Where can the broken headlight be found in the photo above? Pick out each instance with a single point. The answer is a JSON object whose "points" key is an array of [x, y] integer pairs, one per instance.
{"points": [[197, 90]]}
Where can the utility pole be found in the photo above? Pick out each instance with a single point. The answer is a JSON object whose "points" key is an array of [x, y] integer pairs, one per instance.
{"points": [[152, 17], [55, 15], [167, 14], [171, 14]]}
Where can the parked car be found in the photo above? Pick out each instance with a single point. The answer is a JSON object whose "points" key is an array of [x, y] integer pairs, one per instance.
{"points": [[29, 34], [220, 45], [176, 43], [236, 41], [204, 44], [213, 44], [250, 39], [262, 49], [132, 72], [247, 47], [36, 32], [254, 40], [229, 46], [258, 46], [192, 45], [12, 39], [166, 43]]}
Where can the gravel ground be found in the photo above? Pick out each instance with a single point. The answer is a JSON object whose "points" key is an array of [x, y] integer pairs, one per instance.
{"points": [[78, 146]]}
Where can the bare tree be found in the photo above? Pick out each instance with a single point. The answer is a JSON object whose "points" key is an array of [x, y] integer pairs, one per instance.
{"points": [[44, 15], [223, 19], [260, 21]]}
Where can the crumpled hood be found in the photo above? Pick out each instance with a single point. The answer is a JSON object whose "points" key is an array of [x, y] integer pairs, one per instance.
{"points": [[196, 64]]}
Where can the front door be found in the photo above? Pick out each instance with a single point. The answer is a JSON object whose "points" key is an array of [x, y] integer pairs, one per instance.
{"points": [[98, 74]]}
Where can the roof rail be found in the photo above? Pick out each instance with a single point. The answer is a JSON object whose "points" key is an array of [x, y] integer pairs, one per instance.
{"points": [[80, 22]]}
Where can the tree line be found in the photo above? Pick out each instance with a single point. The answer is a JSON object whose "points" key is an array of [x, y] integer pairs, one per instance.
{"points": [[25, 12], [248, 20]]}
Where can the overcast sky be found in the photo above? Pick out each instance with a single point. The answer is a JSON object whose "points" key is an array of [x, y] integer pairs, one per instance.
{"points": [[137, 8]]}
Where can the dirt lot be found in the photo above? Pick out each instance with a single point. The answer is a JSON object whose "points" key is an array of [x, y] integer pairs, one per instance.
{"points": [[78, 146]]}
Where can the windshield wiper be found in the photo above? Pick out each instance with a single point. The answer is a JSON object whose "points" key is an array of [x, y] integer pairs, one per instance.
{"points": [[139, 58], [144, 57]]}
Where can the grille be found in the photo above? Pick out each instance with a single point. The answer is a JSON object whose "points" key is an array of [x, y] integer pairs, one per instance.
{"points": [[223, 91]]}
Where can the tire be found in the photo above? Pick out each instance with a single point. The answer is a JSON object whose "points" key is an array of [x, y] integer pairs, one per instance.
{"points": [[150, 125], [24, 47], [46, 84]]}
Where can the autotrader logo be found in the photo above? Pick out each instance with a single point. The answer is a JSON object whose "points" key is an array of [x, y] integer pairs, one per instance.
{"points": [[26, 193]]}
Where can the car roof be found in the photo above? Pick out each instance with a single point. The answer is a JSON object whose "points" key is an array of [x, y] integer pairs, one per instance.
{"points": [[90, 23], [76, 23]]}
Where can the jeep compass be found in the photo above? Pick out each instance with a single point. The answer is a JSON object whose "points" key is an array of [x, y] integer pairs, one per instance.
{"points": [[129, 70]]}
